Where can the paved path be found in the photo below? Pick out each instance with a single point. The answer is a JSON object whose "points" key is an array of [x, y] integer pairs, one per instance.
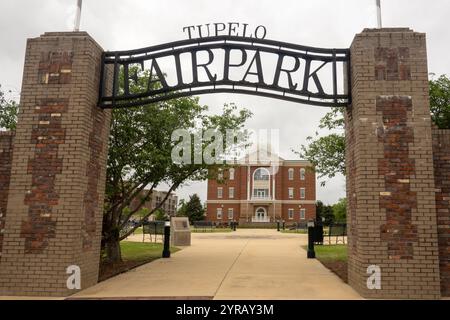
{"points": [[247, 264]]}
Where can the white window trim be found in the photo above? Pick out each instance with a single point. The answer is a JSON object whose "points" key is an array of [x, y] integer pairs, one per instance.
{"points": [[302, 193], [231, 192], [219, 194], [291, 214], [264, 169], [302, 174], [219, 211], [232, 172], [291, 193], [302, 214], [291, 174], [230, 213]]}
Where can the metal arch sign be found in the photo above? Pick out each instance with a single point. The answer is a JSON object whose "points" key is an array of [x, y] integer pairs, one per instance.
{"points": [[229, 64]]}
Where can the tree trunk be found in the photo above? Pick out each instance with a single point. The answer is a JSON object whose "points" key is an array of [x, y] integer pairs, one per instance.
{"points": [[113, 253]]}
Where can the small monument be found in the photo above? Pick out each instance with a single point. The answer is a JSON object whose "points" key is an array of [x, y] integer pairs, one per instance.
{"points": [[180, 231]]}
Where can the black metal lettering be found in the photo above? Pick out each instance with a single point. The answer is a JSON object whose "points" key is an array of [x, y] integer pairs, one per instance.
{"points": [[159, 77], [127, 77], [288, 72], [196, 65], [228, 65], [264, 30], [259, 72], [245, 29], [189, 30], [216, 25], [232, 28], [313, 75], [178, 68]]}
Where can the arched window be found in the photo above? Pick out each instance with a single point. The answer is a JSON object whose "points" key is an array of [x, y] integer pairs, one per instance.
{"points": [[261, 174], [302, 174], [291, 174], [231, 173]]}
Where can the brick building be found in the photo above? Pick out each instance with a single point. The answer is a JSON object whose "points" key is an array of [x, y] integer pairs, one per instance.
{"points": [[263, 192], [169, 206]]}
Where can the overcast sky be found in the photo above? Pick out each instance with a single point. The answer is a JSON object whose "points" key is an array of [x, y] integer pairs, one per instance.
{"points": [[129, 24]]}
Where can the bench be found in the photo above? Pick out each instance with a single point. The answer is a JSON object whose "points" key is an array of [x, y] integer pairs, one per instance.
{"points": [[204, 226], [153, 228], [338, 231]]}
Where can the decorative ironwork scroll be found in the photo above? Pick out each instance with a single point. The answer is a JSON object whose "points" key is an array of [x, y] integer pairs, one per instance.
{"points": [[228, 64]]}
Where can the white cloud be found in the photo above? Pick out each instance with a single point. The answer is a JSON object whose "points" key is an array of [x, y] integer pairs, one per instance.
{"points": [[127, 24]]}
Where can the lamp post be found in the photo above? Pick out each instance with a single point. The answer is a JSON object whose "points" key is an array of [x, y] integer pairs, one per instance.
{"points": [[166, 250], [311, 254]]}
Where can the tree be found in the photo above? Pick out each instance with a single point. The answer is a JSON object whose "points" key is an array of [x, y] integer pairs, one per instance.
{"points": [[181, 212], [324, 213], [140, 155], [440, 101], [9, 110], [160, 215], [327, 153], [340, 210], [193, 209]]}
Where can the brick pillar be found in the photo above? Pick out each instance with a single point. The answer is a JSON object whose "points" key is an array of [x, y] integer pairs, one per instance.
{"points": [[6, 143], [441, 155], [54, 212], [392, 212]]}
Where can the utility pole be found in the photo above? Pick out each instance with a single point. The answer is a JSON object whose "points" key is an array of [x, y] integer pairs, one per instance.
{"points": [[78, 16], [380, 23]]}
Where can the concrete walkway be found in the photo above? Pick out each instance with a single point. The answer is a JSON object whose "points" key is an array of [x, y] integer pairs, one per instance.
{"points": [[247, 264]]}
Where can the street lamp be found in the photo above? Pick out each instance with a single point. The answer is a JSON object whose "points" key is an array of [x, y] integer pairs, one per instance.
{"points": [[311, 254], [166, 250]]}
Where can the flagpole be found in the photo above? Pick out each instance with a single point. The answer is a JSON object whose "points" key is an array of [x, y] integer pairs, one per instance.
{"points": [[78, 16], [380, 24]]}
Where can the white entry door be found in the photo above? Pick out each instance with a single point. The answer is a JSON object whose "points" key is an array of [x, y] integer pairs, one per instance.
{"points": [[260, 215]]}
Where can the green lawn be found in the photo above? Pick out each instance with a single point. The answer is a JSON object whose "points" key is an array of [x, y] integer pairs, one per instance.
{"points": [[142, 251], [210, 230], [138, 231], [134, 254], [334, 257], [294, 231], [331, 252]]}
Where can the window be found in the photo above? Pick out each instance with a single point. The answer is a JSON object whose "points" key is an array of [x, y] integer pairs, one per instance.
{"points": [[230, 213], [261, 174], [231, 174], [231, 192], [219, 192], [291, 174], [220, 175], [302, 174], [302, 193], [291, 214], [291, 193], [219, 213], [260, 193], [302, 214]]}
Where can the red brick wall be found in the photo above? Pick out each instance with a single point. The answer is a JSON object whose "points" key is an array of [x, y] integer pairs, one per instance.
{"points": [[211, 212], [441, 157], [6, 143], [310, 212], [283, 184]]}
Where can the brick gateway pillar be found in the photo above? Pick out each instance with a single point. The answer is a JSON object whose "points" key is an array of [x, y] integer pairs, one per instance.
{"points": [[390, 183], [54, 211]]}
